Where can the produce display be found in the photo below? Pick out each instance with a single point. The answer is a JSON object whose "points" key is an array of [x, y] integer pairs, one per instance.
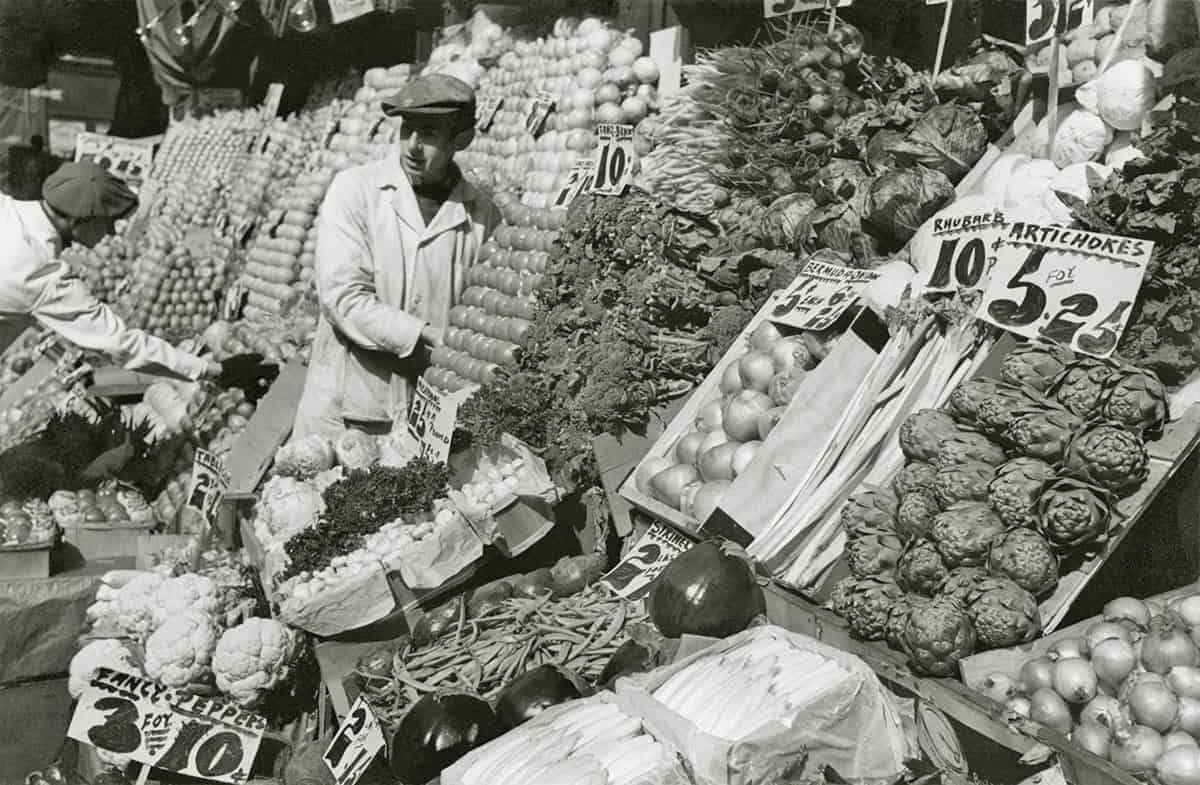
{"points": [[215, 143], [104, 267], [277, 339], [1126, 689], [1087, 46], [28, 523], [1015, 480]]}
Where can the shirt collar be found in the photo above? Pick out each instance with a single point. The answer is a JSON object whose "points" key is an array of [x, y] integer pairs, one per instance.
{"points": [[37, 224]]}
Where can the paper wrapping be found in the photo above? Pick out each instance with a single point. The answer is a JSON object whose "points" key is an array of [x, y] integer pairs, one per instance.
{"points": [[447, 551], [828, 732], [520, 518], [351, 603], [41, 621]]}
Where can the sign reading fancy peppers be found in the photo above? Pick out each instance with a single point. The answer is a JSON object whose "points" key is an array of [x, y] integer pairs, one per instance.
{"points": [[167, 728]]}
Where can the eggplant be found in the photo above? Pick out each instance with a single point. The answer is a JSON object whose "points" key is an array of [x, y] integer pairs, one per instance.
{"points": [[531, 693], [436, 732], [709, 589], [437, 622], [631, 657]]}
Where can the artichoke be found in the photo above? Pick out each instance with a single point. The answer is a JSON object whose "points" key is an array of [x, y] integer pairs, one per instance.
{"points": [[869, 510], [915, 476], [894, 631], [872, 555], [937, 634], [964, 533], [1108, 456], [1003, 614], [966, 482], [963, 404], [1035, 364], [1073, 515], [1026, 558], [1135, 399], [996, 411], [922, 433], [1080, 386], [1043, 432], [915, 515], [1016, 488], [962, 581], [966, 446], [865, 604], [921, 569]]}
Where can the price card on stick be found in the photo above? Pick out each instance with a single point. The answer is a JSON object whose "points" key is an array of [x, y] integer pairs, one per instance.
{"points": [[773, 8], [209, 482], [431, 417], [646, 560], [1065, 285], [359, 739], [538, 112], [614, 161], [820, 294], [166, 728], [1040, 17], [487, 111], [966, 250], [578, 181]]}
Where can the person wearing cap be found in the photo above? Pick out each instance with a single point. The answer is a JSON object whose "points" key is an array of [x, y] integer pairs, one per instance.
{"points": [[397, 237], [80, 202]]}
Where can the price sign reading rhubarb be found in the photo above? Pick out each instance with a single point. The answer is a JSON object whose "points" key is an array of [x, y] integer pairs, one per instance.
{"points": [[1065, 285], [207, 488], [538, 113], [966, 250], [820, 294], [359, 739], [631, 578], [614, 161], [431, 418], [487, 111], [167, 728]]}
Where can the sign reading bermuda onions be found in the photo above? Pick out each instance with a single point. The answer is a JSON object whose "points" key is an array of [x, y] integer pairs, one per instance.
{"points": [[1073, 287], [820, 294], [166, 728]]}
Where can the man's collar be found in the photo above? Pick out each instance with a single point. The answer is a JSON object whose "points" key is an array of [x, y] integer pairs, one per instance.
{"points": [[37, 223]]}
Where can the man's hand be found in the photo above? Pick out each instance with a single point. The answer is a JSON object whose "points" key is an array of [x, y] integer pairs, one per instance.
{"points": [[433, 335], [212, 370]]}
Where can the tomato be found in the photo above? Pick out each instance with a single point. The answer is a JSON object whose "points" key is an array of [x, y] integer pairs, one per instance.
{"points": [[491, 300], [520, 261], [440, 355], [458, 316], [507, 354], [473, 296], [489, 326], [501, 258], [474, 369], [521, 238], [450, 338]]}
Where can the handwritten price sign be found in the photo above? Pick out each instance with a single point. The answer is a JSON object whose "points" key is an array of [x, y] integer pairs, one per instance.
{"points": [[1065, 285], [820, 294], [966, 251], [359, 739], [210, 480], [614, 162], [167, 728], [431, 418], [538, 112], [579, 180], [632, 577], [487, 111], [1040, 17], [128, 159], [773, 8]]}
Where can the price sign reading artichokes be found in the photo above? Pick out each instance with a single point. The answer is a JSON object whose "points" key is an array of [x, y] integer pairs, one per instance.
{"points": [[820, 294], [1065, 285], [646, 560], [209, 482], [487, 111], [614, 160], [966, 250], [538, 112], [359, 739], [166, 728]]}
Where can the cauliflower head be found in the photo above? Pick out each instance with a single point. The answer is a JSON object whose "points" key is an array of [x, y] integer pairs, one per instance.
{"points": [[1125, 93], [287, 507], [188, 592], [252, 658], [180, 651], [1082, 137], [305, 457], [103, 653], [135, 605]]}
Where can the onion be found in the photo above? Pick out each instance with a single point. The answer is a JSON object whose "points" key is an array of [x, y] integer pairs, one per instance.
{"points": [[646, 70], [1092, 738], [634, 110], [711, 440], [1188, 720], [784, 385], [436, 732], [768, 421], [999, 687], [687, 449], [1113, 660], [589, 79], [1135, 749], [717, 463], [667, 486], [1036, 674], [1103, 630], [702, 502], [1075, 680], [744, 455], [621, 56], [1184, 680], [1188, 609], [1167, 645], [1019, 705], [1101, 710], [1048, 708], [1178, 738], [599, 41], [765, 336], [533, 692], [1129, 611], [1179, 766], [710, 589], [740, 417], [756, 369], [1153, 705], [1065, 649], [711, 416], [608, 113], [731, 380]]}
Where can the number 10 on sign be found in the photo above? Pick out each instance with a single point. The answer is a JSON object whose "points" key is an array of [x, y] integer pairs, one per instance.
{"points": [[614, 162]]}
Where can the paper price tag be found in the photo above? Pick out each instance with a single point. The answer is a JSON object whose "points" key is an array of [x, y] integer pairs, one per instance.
{"points": [[632, 577], [167, 728], [487, 111], [128, 159], [359, 739], [614, 160], [345, 10], [1065, 285], [207, 488], [48, 344], [966, 251], [1040, 16], [431, 418], [578, 181], [543, 104], [123, 285], [773, 8], [820, 294], [235, 299]]}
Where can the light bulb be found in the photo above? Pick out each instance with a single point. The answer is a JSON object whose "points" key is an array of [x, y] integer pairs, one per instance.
{"points": [[181, 36], [303, 16], [143, 34], [230, 6]]}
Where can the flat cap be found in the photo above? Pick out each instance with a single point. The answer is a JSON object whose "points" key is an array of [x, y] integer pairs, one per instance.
{"points": [[87, 190], [432, 95]]}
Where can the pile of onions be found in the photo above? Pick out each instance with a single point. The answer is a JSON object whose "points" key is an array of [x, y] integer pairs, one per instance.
{"points": [[710, 590]]}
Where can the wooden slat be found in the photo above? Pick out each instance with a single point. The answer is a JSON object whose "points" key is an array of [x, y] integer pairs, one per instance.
{"points": [[119, 383], [267, 430]]}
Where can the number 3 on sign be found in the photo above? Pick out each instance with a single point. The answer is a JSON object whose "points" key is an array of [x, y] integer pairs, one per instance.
{"points": [[614, 163]]}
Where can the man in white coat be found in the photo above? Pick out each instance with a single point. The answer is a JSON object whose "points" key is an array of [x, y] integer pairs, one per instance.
{"points": [[80, 202], [396, 238]]}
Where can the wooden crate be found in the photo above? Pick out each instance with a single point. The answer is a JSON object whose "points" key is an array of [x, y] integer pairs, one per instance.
{"points": [[961, 705], [25, 561]]}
